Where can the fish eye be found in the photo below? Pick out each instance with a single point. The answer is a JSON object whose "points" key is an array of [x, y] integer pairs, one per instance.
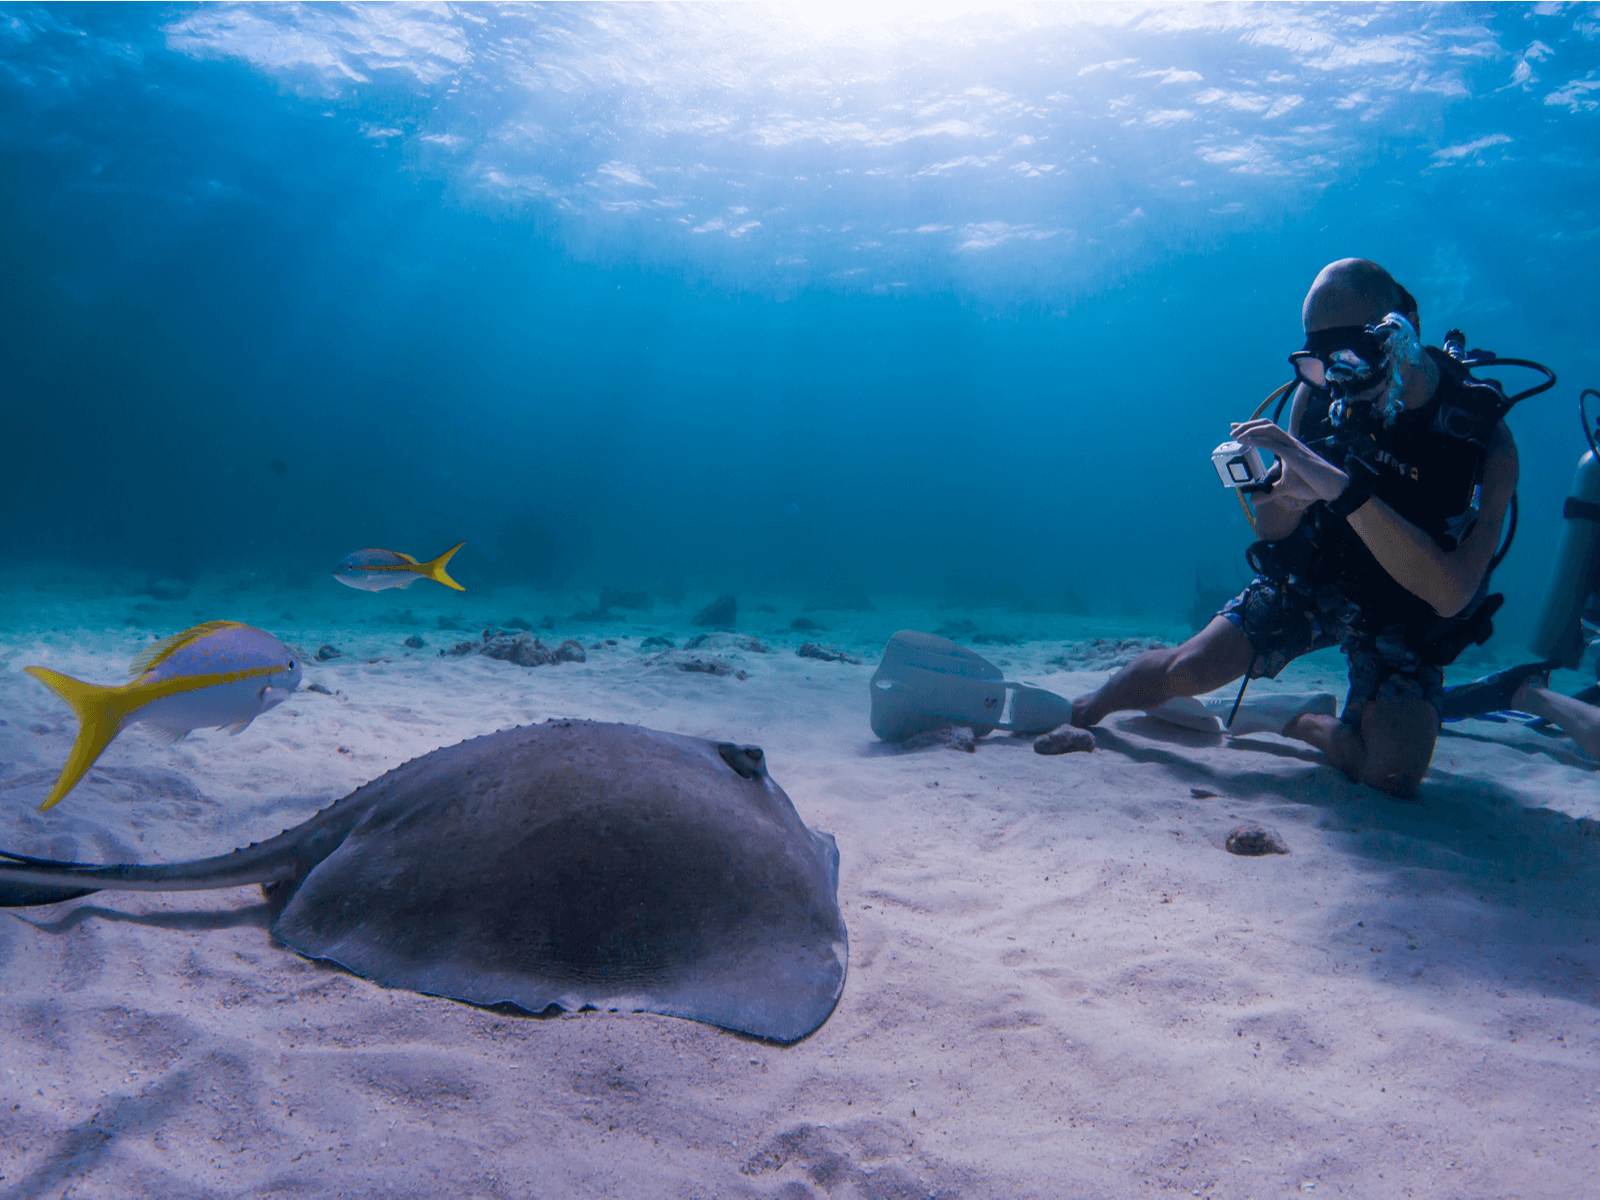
{"points": [[291, 664]]}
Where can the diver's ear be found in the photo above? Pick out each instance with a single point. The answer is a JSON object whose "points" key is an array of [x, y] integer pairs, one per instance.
{"points": [[1409, 308]]}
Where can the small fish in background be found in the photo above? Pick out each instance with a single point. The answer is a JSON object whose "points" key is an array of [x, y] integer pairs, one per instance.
{"points": [[278, 467], [374, 570], [219, 673], [792, 508]]}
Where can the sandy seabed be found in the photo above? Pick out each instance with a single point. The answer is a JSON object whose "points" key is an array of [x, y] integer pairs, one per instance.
{"points": [[1060, 985]]}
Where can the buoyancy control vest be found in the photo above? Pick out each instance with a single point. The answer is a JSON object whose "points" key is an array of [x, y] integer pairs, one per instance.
{"points": [[1428, 467]]}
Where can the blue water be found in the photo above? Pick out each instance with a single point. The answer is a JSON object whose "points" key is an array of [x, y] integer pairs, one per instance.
{"points": [[947, 301]]}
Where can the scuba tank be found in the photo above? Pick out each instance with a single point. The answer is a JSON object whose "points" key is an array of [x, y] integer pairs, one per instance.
{"points": [[1576, 572]]}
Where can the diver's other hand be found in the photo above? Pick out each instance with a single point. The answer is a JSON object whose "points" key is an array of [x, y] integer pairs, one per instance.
{"points": [[1288, 488], [1320, 479]]}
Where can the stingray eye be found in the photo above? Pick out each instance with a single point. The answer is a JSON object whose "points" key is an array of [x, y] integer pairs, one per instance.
{"points": [[745, 760]]}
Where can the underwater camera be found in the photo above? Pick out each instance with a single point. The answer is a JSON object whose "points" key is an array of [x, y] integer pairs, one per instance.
{"points": [[1238, 465]]}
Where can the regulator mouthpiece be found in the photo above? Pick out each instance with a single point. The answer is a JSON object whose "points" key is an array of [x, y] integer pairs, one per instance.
{"points": [[1350, 362]]}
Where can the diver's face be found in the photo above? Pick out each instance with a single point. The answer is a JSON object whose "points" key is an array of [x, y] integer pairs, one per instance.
{"points": [[1360, 367], [1343, 362], [1369, 395]]}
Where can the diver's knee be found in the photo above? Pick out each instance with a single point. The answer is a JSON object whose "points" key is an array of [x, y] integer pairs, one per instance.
{"points": [[1402, 785], [1398, 736], [1397, 772]]}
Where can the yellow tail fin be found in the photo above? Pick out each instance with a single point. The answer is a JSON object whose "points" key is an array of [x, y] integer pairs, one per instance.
{"points": [[100, 713], [435, 570]]}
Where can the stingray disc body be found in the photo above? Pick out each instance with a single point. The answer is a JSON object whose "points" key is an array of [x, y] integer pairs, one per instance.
{"points": [[584, 864]]}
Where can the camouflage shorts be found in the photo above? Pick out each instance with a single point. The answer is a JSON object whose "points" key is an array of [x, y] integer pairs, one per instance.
{"points": [[1285, 621], [1388, 667]]}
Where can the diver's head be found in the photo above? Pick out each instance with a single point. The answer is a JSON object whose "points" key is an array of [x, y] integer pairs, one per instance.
{"points": [[1355, 291], [1362, 348]]}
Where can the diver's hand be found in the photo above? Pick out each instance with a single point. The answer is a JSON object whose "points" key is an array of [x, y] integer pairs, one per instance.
{"points": [[1305, 474]]}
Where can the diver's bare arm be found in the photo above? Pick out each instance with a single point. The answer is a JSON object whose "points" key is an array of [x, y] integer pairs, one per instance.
{"points": [[1279, 511], [1277, 516], [1445, 579]]}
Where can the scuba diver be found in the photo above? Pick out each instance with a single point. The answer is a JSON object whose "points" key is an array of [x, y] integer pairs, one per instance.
{"points": [[1568, 621], [1379, 524]]}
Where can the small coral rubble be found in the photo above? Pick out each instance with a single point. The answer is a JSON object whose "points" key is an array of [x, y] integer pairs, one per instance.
{"points": [[826, 653], [520, 648]]}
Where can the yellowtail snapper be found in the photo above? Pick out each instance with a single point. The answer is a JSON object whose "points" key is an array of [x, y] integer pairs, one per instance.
{"points": [[219, 673], [373, 570]]}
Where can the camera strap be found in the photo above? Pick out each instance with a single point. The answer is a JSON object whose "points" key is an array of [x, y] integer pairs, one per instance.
{"points": [[1243, 683]]}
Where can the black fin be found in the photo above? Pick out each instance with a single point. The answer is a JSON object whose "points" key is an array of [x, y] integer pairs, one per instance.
{"points": [[1493, 692]]}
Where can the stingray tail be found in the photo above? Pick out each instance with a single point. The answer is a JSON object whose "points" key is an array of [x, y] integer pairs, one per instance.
{"points": [[435, 570], [26, 881], [101, 712]]}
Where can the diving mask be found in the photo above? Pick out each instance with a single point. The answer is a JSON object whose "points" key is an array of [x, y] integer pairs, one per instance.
{"points": [[1349, 361]]}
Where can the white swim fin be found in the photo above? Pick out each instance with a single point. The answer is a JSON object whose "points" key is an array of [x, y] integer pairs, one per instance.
{"points": [[1260, 712], [1188, 713], [924, 682]]}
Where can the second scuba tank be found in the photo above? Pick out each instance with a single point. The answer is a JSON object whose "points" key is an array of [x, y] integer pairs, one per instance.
{"points": [[1576, 573]]}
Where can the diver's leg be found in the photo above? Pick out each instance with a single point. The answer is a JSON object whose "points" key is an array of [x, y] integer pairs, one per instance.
{"points": [[1339, 741], [1216, 655], [1579, 721], [1389, 749], [1391, 720], [1398, 736]]}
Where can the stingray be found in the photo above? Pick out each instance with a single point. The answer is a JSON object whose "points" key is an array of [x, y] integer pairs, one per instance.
{"points": [[571, 864]]}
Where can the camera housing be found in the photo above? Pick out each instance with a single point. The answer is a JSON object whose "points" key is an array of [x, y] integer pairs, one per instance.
{"points": [[1238, 465]]}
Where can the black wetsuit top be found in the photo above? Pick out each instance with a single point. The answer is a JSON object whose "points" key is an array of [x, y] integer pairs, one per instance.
{"points": [[1429, 467]]}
